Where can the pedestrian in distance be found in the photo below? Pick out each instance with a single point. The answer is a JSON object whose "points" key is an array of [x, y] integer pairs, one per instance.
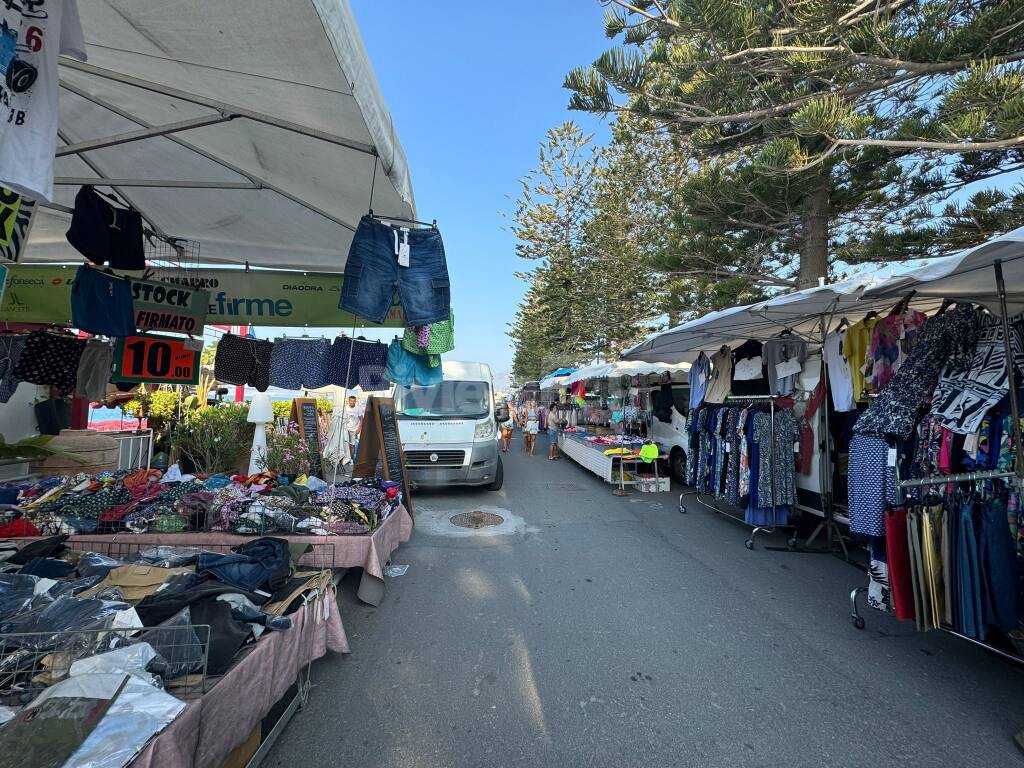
{"points": [[552, 431], [506, 430], [531, 426]]}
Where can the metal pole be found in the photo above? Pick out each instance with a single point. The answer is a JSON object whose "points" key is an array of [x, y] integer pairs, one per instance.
{"points": [[145, 133], [825, 473], [1011, 370]]}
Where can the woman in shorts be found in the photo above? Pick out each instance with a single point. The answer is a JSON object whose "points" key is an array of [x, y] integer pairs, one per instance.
{"points": [[506, 431], [531, 426], [552, 432]]}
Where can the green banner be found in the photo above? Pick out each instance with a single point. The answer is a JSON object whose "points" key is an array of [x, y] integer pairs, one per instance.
{"points": [[39, 293]]}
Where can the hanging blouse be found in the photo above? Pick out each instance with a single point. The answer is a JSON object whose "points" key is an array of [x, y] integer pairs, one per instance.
{"points": [[855, 348], [721, 376], [784, 356], [749, 376]]}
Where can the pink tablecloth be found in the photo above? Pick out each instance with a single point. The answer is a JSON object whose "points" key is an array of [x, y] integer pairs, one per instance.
{"points": [[367, 552], [211, 726]]}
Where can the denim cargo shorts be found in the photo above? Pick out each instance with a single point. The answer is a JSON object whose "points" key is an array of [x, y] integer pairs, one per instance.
{"points": [[373, 274]]}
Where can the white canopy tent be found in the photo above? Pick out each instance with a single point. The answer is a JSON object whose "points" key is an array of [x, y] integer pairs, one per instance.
{"points": [[254, 127], [549, 383], [806, 313], [967, 276], [624, 368]]}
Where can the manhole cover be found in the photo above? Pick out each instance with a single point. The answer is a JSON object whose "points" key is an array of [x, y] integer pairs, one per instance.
{"points": [[476, 519]]}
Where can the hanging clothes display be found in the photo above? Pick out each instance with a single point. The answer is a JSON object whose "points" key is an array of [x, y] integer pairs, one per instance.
{"points": [[840, 378], [892, 339], [34, 39], [431, 340], [947, 342], [50, 358], [721, 376], [699, 376], [855, 348], [243, 360], [964, 395], [784, 357], [749, 374], [298, 363]]}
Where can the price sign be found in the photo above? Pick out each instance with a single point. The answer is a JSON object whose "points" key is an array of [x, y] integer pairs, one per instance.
{"points": [[156, 360]]}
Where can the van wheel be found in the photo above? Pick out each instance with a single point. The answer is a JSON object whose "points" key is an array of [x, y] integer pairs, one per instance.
{"points": [[677, 462], [499, 477]]}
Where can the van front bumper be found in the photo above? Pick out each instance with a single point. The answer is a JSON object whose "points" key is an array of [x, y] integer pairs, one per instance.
{"points": [[478, 469]]}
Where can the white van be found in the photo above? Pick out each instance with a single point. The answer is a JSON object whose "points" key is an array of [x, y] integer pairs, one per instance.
{"points": [[449, 430]]}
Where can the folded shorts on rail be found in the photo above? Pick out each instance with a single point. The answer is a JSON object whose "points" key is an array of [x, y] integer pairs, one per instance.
{"points": [[243, 360], [373, 274], [102, 303], [408, 369]]}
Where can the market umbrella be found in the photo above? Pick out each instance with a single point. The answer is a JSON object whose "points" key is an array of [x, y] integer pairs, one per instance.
{"points": [[254, 127]]}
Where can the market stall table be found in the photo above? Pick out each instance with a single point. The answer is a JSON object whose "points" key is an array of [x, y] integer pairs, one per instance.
{"points": [[591, 455], [213, 725], [369, 552]]}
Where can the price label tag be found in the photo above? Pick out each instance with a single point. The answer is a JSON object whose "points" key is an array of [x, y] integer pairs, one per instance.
{"points": [[892, 457], [796, 447], [155, 360], [728, 447]]}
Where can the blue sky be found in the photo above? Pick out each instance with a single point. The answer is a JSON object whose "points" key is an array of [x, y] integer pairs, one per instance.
{"points": [[472, 90]]}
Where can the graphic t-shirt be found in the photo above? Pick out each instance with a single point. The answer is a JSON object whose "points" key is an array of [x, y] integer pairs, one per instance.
{"points": [[32, 35]]}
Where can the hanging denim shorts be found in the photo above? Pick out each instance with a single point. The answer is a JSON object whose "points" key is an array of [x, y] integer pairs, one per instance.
{"points": [[373, 274], [102, 303]]}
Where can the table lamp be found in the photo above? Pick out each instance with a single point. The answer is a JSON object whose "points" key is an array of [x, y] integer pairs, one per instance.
{"points": [[261, 413]]}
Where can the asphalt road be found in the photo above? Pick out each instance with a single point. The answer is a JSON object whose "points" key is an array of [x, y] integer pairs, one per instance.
{"points": [[591, 630]]}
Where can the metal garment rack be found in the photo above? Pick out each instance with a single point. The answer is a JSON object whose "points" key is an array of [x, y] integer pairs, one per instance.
{"points": [[749, 542], [963, 477]]}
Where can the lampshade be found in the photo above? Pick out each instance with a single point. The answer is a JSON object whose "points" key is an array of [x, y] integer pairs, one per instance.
{"points": [[260, 409]]}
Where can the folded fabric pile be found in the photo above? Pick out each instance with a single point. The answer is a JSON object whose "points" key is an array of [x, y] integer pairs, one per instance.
{"points": [[145, 501]]}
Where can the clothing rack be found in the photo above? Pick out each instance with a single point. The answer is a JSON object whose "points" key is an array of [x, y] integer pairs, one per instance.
{"points": [[749, 542], [964, 477]]}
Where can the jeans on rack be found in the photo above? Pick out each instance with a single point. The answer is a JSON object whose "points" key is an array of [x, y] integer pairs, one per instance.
{"points": [[998, 566], [969, 575]]}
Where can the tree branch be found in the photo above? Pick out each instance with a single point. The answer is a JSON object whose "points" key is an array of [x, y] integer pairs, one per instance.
{"points": [[942, 146]]}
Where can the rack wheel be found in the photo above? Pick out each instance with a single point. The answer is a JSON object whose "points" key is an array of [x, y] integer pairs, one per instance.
{"points": [[749, 543], [791, 543], [682, 510], [858, 622]]}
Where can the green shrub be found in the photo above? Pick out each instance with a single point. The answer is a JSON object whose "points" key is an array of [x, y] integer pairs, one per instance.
{"points": [[214, 438], [283, 408]]}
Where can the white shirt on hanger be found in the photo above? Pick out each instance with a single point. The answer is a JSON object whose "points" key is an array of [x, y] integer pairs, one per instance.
{"points": [[839, 377], [29, 89]]}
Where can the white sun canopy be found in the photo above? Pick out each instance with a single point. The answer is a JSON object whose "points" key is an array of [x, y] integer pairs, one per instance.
{"points": [[968, 276], [255, 127], [801, 312], [625, 368]]}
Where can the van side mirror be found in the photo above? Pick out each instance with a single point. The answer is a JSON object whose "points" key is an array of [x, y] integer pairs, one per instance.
{"points": [[501, 413]]}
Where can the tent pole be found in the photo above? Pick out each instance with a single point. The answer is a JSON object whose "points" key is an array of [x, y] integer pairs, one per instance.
{"points": [[1011, 370], [140, 135], [824, 469], [220, 106], [261, 182]]}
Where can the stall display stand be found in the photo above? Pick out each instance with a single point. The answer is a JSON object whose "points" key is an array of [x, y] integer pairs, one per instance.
{"points": [[713, 506]]}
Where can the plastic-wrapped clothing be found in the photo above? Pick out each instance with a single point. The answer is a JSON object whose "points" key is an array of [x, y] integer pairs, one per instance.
{"points": [[170, 557], [262, 564], [47, 568], [178, 644], [62, 614], [92, 563], [136, 581], [132, 659], [16, 592], [137, 714], [51, 546]]}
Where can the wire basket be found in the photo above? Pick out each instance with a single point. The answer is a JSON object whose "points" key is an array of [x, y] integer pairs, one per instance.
{"points": [[33, 661]]}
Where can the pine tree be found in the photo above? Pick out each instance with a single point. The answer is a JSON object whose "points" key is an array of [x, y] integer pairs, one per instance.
{"points": [[822, 131]]}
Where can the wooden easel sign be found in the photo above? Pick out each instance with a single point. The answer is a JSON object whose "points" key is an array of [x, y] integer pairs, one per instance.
{"points": [[380, 445], [305, 414]]}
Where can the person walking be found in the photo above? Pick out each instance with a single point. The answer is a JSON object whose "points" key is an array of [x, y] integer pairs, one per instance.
{"points": [[552, 424], [353, 426], [531, 426], [506, 430]]}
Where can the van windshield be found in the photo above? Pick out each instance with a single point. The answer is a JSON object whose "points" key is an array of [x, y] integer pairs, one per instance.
{"points": [[449, 399]]}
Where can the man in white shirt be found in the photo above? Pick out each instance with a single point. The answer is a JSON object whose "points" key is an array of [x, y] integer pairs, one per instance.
{"points": [[353, 426]]}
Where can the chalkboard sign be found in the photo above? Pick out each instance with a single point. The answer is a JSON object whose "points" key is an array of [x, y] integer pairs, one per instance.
{"points": [[305, 414], [380, 445]]}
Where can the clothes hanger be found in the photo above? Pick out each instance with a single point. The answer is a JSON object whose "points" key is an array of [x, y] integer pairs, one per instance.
{"points": [[379, 217], [843, 323], [946, 304]]}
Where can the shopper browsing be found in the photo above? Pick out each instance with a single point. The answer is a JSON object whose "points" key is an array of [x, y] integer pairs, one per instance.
{"points": [[552, 431], [532, 425], [353, 425]]}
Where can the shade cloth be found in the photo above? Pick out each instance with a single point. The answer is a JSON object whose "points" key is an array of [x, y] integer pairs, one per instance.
{"points": [[211, 726], [284, 127], [625, 368]]}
